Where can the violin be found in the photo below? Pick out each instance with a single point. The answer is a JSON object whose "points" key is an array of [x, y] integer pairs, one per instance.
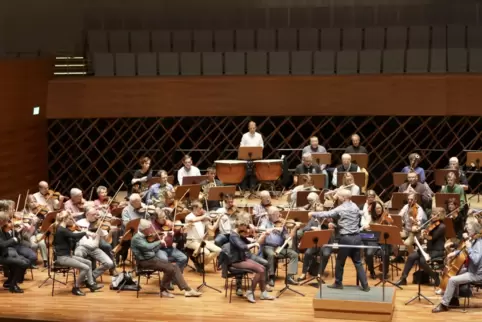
{"points": [[54, 195], [8, 227], [434, 224], [386, 219], [73, 227], [232, 210], [151, 210], [41, 210]]}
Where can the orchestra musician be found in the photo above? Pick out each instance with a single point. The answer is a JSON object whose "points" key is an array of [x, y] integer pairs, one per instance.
{"points": [[306, 185], [348, 219], [141, 177], [471, 273], [76, 204], [314, 147], [347, 184], [228, 216], [103, 199], [35, 241], [136, 209], [412, 218], [435, 248], [197, 225], [240, 256], [414, 186], [314, 203], [211, 181], [276, 235], [156, 195], [43, 198], [187, 169], [260, 210], [454, 165], [346, 166], [377, 215], [355, 146], [14, 264], [306, 166], [367, 206], [145, 254], [414, 160], [452, 187], [250, 139], [62, 256]]}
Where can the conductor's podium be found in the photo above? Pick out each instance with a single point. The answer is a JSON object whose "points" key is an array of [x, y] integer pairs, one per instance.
{"points": [[351, 303]]}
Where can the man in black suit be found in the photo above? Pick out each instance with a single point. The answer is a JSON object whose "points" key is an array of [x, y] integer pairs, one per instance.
{"points": [[9, 258]]}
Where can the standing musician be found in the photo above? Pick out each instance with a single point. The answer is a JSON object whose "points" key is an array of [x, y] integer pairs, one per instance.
{"points": [[346, 166], [156, 195], [377, 215], [241, 258], [62, 256], [452, 187], [414, 160], [355, 146], [187, 170], [76, 204], [277, 235], [250, 139], [413, 217], [226, 221], [145, 254], [454, 165], [260, 211], [306, 185], [197, 224], [348, 216], [141, 177], [43, 198], [435, 234], [469, 274], [206, 185], [306, 166], [9, 258], [413, 186], [168, 250]]}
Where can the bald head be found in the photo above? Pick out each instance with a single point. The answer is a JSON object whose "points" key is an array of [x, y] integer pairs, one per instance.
{"points": [[43, 187], [344, 195], [252, 127]]}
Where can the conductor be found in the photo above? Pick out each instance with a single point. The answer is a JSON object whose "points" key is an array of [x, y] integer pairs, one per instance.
{"points": [[347, 215]]}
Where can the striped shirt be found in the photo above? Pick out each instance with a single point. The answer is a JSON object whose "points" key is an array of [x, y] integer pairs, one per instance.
{"points": [[347, 215]]}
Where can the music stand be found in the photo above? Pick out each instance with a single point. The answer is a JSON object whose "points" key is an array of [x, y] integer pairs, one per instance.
{"points": [[397, 221], [359, 200], [153, 181], [399, 178], [117, 212], [297, 215], [360, 159], [193, 179], [449, 228], [322, 158], [316, 239], [389, 235], [204, 283], [46, 223], [440, 175], [399, 199], [359, 178], [302, 197], [441, 198], [217, 193], [473, 161], [170, 179], [250, 153], [190, 191], [319, 180]]}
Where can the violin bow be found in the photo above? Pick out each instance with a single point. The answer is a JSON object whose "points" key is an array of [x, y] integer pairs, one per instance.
{"points": [[175, 209], [104, 216]]}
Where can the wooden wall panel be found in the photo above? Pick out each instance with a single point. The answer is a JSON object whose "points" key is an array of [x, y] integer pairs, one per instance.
{"points": [[262, 96], [23, 147]]}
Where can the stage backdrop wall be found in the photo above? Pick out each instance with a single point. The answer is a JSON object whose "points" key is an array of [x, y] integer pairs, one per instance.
{"points": [[23, 161], [98, 97]]}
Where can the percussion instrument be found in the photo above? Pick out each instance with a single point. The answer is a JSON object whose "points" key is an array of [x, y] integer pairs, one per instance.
{"points": [[268, 170], [231, 171]]}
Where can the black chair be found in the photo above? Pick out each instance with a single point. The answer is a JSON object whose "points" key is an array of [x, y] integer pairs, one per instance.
{"points": [[61, 269], [147, 273], [231, 274], [437, 265]]}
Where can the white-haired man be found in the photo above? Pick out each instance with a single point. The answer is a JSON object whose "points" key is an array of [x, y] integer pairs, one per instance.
{"points": [[261, 210], [346, 166], [42, 197], [132, 211], [76, 204], [454, 165]]}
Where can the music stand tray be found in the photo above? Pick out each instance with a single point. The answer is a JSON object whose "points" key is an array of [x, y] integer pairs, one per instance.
{"points": [[315, 238], [297, 215], [440, 175], [191, 191], [193, 179], [217, 193], [322, 158], [153, 181], [399, 178], [250, 153], [359, 178], [361, 159], [449, 228], [302, 197], [359, 200], [473, 159], [399, 198], [319, 180], [48, 220], [441, 198]]}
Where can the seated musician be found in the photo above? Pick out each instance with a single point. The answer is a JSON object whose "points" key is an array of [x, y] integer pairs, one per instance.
{"points": [[197, 226], [156, 193], [228, 216], [314, 203], [276, 235], [260, 211], [206, 185], [324, 252], [141, 177], [452, 187], [414, 186], [367, 206], [413, 217], [347, 184], [14, 264], [470, 273], [307, 166], [63, 238], [96, 249], [241, 258], [43, 198], [355, 146], [414, 160], [145, 253], [314, 147], [454, 165], [168, 250], [306, 184], [346, 166], [35, 240], [435, 248], [377, 215], [188, 170], [135, 209], [76, 204]]}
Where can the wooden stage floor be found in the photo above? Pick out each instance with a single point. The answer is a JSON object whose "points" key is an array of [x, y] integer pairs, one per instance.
{"points": [[106, 305]]}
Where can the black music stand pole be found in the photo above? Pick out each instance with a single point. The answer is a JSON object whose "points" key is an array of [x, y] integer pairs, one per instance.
{"points": [[287, 286], [204, 284], [384, 279], [50, 262]]}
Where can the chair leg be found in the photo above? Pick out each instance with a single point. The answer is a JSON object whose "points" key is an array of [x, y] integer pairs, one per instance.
{"points": [[75, 276], [31, 273], [231, 290], [159, 276], [53, 284], [226, 287], [138, 284]]}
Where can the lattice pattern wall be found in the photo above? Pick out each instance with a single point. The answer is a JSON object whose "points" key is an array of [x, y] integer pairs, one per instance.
{"points": [[89, 152]]}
